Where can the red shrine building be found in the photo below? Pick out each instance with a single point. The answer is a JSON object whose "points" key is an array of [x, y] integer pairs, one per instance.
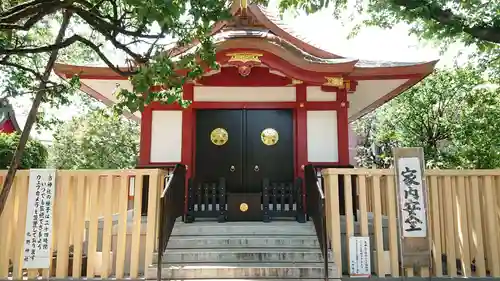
{"points": [[277, 104], [8, 122]]}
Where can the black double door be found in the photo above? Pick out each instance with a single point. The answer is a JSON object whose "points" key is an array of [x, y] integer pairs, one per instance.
{"points": [[244, 147]]}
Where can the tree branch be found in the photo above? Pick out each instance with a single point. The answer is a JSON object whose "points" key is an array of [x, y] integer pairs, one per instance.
{"points": [[29, 23], [103, 57], [151, 48], [9, 179], [71, 40], [448, 18], [39, 7], [95, 21], [44, 49], [20, 7], [23, 68]]}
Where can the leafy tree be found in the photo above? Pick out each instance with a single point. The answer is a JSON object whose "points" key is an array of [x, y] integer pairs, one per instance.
{"points": [[139, 29], [445, 114], [476, 142], [95, 141], [372, 149], [452, 114], [35, 155], [473, 22]]}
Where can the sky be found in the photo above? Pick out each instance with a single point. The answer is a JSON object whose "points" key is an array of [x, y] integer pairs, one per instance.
{"points": [[330, 34]]}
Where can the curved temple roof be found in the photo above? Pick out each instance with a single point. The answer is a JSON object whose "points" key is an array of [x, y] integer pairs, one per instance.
{"points": [[259, 30], [270, 20]]}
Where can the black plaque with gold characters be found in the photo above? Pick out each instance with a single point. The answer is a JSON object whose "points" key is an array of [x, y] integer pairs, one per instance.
{"points": [[244, 207]]}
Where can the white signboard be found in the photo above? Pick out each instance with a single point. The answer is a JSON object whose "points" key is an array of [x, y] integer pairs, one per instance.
{"points": [[411, 198], [38, 235], [359, 252]]}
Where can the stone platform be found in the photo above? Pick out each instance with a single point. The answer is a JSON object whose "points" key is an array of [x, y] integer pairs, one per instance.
{"points": [[243, 250]]}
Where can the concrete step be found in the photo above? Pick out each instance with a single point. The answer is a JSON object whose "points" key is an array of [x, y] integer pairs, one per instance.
{"points": [[257, 279], [243, 270], [241, 255], [240, 241], [244, 228]]}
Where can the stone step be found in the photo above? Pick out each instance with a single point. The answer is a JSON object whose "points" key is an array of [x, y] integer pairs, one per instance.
{"points": [[239, 241], [243, 270], [256, 279], [241, 255], [244, 228]]}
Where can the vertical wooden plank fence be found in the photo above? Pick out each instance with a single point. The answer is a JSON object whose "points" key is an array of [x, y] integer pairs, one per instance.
{"points": [[463, 218], [97, 226], [94, 231]]}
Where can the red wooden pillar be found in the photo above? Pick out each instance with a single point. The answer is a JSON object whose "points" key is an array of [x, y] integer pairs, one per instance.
{"points": [[301, 131], [145, 141], [343, 127], [301, 136], [187, 137]]}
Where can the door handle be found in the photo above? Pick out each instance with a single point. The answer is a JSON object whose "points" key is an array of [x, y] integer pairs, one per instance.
{"points": [[256, 168], [232, 168]]}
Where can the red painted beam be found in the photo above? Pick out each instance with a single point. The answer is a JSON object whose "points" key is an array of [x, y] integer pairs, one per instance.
{"points": [[258, 77]]}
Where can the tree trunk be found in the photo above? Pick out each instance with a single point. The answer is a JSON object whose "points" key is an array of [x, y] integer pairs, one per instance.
{"points": [[40, 93]]}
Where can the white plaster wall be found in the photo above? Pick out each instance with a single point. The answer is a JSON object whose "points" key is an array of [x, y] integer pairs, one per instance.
{"points": [[107, 89], [166, 136], [368, 92], [314, 93], [322, 137], [244, 94]]}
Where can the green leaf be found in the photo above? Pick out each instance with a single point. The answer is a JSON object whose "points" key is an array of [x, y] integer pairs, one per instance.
{"points": [[97, 140]]}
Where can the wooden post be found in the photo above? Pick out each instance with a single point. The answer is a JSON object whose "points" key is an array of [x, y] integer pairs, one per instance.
{"points": [[412, 203]]}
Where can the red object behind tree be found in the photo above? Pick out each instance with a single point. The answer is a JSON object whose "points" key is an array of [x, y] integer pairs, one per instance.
{"points": [[8, 122]]}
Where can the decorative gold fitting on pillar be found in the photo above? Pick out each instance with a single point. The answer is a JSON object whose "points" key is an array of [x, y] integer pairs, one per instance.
{"points": [[334, 82], [347, 85]]}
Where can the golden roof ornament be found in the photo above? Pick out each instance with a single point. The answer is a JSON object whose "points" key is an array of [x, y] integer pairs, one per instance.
{"points": [[243, 4], [244, 17]]}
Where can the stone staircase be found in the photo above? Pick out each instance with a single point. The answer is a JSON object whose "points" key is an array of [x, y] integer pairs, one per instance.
{"points": [[243, 250]]}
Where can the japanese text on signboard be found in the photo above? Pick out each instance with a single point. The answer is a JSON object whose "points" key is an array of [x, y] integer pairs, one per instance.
{"points": [[360, 260], [413, 213], [37, 241]]}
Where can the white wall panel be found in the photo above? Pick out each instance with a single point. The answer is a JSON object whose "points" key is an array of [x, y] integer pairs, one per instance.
{"points": [[244, 94], [314, 93], [368, 92], [322, 139], [166, 136]]}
